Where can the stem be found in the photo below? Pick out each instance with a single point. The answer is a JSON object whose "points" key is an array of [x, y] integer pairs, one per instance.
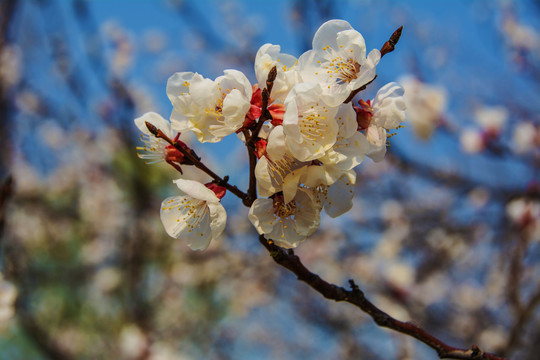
{"points": [[250, 141], [195, 160], [388, 47], [356, 297], [252, 190]]}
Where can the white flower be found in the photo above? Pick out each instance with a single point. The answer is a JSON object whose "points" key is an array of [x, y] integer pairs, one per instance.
{"points": [[338, 61], [376, 136], [196, 215], [269, 56], [525, 213], [273, 167], [279, 170], [309, 124], [526, 137], [471, 141], [156, 149], [386, 112], [389, 107], [211, 109], [178, 92], [351, 146], [426, 105], [337, 198], [287, 224], [491, 118]]}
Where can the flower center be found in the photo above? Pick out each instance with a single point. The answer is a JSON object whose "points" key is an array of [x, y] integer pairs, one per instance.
{"points": [[311, 127], [283, 210], [347, 70], [279, 169]]}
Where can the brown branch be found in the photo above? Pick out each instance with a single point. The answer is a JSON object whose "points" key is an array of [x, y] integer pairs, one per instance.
{"points": [[252, 189], [522, 319], [196, 161], [354, 92], [515, 273], [251, 140], [390, 45], [356, 297]]}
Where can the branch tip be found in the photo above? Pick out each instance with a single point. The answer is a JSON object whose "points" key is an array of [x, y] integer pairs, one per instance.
{"points": [[389, 46], [272, 75], [154, 130]]}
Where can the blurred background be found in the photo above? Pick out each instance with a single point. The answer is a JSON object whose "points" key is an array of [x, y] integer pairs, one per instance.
{"points": [[444, 232]]}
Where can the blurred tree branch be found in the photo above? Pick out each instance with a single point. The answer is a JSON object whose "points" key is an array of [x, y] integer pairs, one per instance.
{"points": [[356, 297]]}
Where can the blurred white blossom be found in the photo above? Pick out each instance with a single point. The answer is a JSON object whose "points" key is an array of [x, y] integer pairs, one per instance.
{"points": [[426, 105]]}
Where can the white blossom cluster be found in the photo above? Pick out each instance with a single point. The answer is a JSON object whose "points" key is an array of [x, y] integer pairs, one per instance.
{"points": [[307, 148]]}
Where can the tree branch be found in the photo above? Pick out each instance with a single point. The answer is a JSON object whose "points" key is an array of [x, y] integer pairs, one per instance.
{"points": [[356, 297], [388, 47], [196, 161], [251, 140]]}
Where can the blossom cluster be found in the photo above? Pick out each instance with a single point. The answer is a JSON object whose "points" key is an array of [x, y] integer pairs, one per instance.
{"points": [[300, 125]]}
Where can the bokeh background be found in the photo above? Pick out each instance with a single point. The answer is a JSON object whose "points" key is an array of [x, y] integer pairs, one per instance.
{"points": [[445, 231]]}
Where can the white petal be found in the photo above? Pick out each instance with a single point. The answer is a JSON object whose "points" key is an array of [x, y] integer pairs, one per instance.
{"points": [[171, 215], [290, 121], [321, 175], [367, 70], [264, 180], [285, 235], [389, 106], [290, 184], [196, 190], [276, 143], [339, 196], [261, 215], [357, 147], [219, 218], [346, 119], [268, 56], [178, 87], [205, 93], [200, 236], [179, 121], [351, 40], [234, 79], [327, 33], [154, 119], [201, 127], [235, 108], [308, 217]]}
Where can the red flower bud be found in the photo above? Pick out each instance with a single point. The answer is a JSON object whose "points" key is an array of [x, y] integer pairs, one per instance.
{"points": [[218, 190]]}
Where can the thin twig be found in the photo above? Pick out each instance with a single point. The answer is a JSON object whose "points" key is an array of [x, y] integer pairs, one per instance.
{"points": [[251, 140], [522, 319], [252, 189], [388, 47], [196, 161], [354, 92], [356, 297]]}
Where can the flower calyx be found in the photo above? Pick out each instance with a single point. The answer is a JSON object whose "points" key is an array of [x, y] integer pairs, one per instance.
{"points": [[260, 148], [364, 114], [220, 191], [258, 99]]}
